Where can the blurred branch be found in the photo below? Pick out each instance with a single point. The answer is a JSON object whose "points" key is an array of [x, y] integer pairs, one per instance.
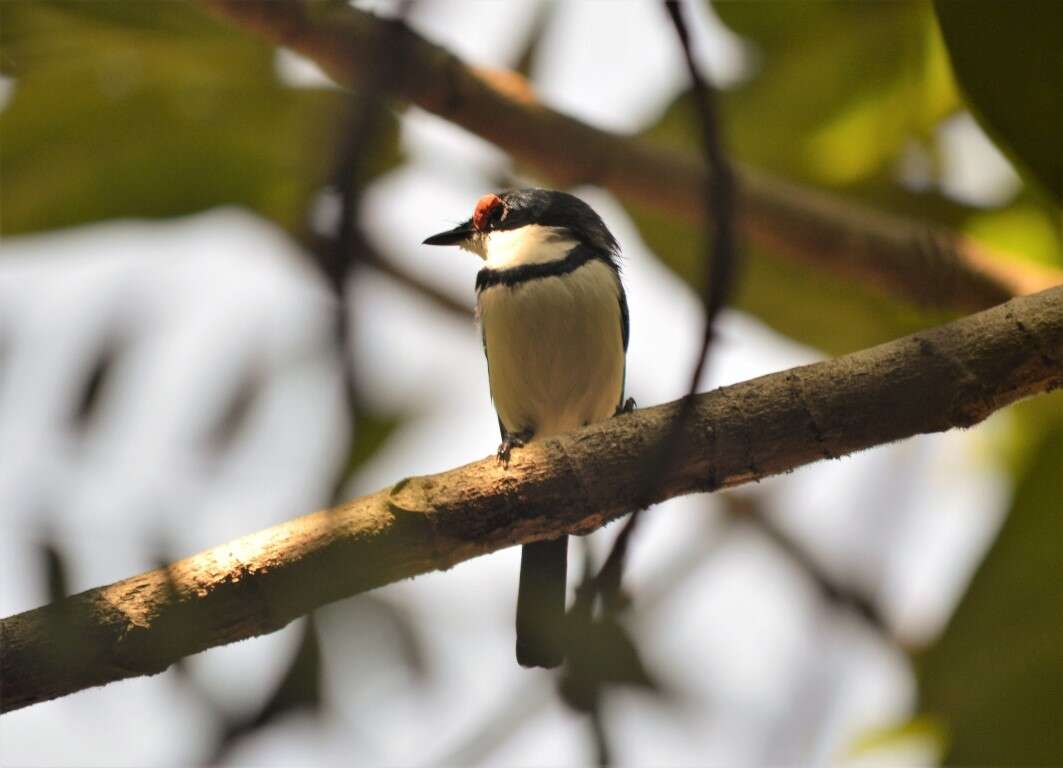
{"points": [[831, 589], [298, 690], [603, 754], [939, 379], [515, 709], [370, 257], [440, 298], [925, 265], [531, 48]]}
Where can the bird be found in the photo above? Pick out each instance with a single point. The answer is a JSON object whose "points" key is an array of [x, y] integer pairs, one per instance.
{"points": [[554, 323]]}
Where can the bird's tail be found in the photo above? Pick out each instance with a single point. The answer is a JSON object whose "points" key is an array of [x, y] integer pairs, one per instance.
{"points": [[541, 603]]}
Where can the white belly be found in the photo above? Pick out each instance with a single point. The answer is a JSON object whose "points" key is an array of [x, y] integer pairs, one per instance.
{"points": [[555, 353]]}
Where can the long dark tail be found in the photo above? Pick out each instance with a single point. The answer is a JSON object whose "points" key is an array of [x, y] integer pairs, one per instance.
{"points": [[541, 603]]}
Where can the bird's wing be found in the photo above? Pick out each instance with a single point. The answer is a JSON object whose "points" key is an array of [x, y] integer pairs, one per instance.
{"points": [[483, 342]]}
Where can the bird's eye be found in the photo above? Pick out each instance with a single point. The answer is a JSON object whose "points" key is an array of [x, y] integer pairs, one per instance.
{"points": [[489, 211]]}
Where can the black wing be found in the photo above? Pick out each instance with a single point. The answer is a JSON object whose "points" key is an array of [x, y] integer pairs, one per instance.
{"points": [[625, 333], [483, 342]]}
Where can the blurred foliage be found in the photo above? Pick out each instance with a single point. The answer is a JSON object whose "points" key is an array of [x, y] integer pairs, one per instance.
{"points": [[401, 633], [880, 743], [600, 652], [371, 431], [99, 373], [992, 44], [995, 678], [532, 47], [56, 572], [841, 87], [841, 94], [243, 396], [298, 691], [154, 109]]}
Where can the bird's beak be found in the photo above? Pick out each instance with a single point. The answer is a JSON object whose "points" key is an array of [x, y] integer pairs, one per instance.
{"points": [[455, 236]]}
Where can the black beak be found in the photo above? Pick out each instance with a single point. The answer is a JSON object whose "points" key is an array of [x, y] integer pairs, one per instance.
{"points": [[459, 234]]}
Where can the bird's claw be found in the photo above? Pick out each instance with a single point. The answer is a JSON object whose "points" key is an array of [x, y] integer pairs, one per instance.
{"points": [[628, 406], [509, 442]]}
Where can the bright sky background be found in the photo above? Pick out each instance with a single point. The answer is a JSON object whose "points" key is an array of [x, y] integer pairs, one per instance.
{"points": [[763, 672]]}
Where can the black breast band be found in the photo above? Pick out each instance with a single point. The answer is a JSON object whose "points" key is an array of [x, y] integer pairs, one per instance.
{"points": [[576, 258]]}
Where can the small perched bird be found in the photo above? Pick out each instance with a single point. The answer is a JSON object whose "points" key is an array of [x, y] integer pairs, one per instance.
{"points": [[555, 330]]}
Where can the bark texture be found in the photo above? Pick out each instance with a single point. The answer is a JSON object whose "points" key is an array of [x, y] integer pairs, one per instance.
{"points": [[947, 377], [925, 265]]}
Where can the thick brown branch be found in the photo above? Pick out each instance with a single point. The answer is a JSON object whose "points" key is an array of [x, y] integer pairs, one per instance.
{"points": [[910, 259], [951, 376]]}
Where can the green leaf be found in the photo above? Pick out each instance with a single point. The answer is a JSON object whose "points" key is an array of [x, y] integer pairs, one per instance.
{"points": [[1008, 59], [840, 92], [1027, 227], [153, 109], [879, 742], [840, 87], [995, 678], [600, 652], [371, 431]]}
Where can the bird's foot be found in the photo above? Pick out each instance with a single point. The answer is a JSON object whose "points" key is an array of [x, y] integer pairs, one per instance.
{"points": [[628, 407], [509, 442]]}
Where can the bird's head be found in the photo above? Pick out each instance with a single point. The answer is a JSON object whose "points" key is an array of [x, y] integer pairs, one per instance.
{"points": [[524, 225]]}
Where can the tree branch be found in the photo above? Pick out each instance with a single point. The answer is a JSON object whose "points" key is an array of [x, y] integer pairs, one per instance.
{"points": [[924, 265], [946, 377]]}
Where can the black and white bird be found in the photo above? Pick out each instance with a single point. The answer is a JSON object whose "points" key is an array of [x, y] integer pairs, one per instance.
{"points": [[554, 319]]}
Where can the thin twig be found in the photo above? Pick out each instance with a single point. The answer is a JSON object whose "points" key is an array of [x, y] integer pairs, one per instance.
{"points": [[526, 701], [719, 199], [603, 755], [441, 299], [721, 262]]}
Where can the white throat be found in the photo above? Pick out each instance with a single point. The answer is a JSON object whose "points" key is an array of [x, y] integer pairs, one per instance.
{"points": [[530, 244]]}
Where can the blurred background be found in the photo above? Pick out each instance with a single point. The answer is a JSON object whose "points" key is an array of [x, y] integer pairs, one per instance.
{"points": [[169, 381]]}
